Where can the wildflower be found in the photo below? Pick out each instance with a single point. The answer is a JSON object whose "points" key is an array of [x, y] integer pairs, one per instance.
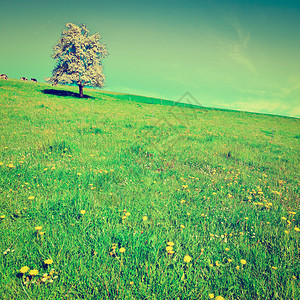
{"points": [[145, 218], [211, 296], [131, 282], [229, 260], [38, 228], [169, 248], [274, 268], [122, 250], [246, 218], [286, 232], [170, 244], [243, 262], [48, 261], [2, 217], [24, 270], [237, 267], [292, 212], [294, 277], [297, 229], [182, 201], [33, 272], [219, 298], [226, 249], [82, 211], [218, 263], [182, 226], [127, 214], [30, 197], [187, 259], [283, 218], [78, 174]]}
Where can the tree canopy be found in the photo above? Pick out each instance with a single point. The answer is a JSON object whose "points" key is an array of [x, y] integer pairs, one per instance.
{"points": [[78, 56]]}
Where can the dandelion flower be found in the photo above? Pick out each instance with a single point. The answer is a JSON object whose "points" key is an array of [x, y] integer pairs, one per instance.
{"points": [[297, 229], [170, 244], [182, 226], [187, 259], [274, 268], [283, 218], [122, 250], [131, 282], [229, 260], [169, 248], [38, 228], [24, 270], [145, 218], [30, 197], [82, 211], [211, 296], [127, 214], [48, 261], [243, 261], [226, 249], [237, 267], [219, 298], [33, 272], [2, 217]]}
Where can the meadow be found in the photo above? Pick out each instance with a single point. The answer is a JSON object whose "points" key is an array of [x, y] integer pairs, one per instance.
{"points": [[110, 198]]}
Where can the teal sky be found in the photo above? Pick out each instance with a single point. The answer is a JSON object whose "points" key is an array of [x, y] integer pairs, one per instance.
{"points": [[241, 55]]}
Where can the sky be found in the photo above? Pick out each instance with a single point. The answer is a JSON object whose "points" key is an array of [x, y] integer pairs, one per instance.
{"points": [[242, 55]]}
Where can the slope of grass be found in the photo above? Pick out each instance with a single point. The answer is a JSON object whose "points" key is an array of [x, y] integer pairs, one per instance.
{"points": [[103, 175]]}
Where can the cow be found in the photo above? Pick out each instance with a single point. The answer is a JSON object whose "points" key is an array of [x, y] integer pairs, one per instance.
{"points": [[24, 79], [33, 80], [3, 76]]}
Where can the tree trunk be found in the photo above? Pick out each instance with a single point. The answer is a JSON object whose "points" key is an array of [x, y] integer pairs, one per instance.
{"points": [[80, 91]]}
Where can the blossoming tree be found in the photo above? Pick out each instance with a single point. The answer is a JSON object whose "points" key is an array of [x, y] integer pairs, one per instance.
{"points": [[78, 56]]}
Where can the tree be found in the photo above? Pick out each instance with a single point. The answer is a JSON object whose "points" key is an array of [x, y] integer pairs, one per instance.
{"points": [[78, 58]]}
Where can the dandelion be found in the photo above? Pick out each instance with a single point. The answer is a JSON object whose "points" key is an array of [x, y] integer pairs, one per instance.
{"points": [[48, 261], [294, 277], [79, 174], [211, 296], [218, 263], [131, 283], [274, 268], [122, 250], [243, 261], [219, 298], [2, 217], [187, 259], [169, 248], [283, 218], [33, 272], [82, 212], [38, 228], [297, 229], [170, 244], [286, 232], [127, 214], [24, 270], [246, 218], [182, 226], [145, 218], [237, 267], [229, 260], [226, 249], [30, 197]]}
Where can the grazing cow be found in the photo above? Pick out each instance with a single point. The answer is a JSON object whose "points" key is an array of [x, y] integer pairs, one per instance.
{"points": [[24, 79], [3, 76], [33, 80]]}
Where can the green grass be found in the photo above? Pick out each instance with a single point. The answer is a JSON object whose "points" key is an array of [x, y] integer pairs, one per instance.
{"points": [[223, 186]]}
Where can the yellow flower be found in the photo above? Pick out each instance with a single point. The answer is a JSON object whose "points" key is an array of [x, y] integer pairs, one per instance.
{"points": [[30, 197], [33, 272], [274, 268], [237, 267], [246, 218], [187, 259], [38, 228], [122, 250], [127, 214], [219, 298], [218, 263], [2, 217], [131, 282], [24, 270], [226, 249], [48, 261], [286, 232], [211, 296], [182, 226], [243, 262], [294, 277], [229, 260], [78, 174], [170, 244], [169, 248], [82, 211], [145, 218], [283, 218], [297, 229]]}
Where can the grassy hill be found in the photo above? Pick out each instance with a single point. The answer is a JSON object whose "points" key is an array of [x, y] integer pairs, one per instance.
{"points": [[105, 198]]}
